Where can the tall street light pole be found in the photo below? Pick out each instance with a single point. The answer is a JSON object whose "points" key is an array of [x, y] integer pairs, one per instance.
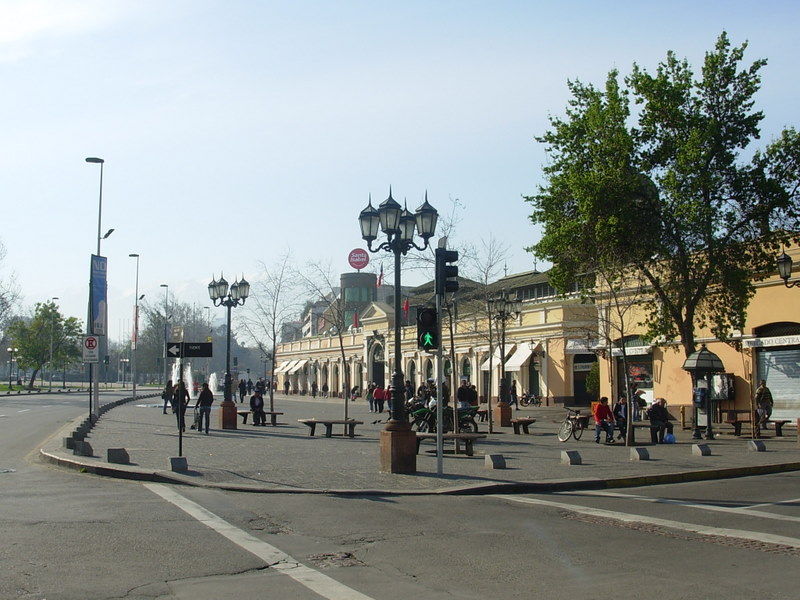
{"points": [[166, 320], [398, 451], [94, 409], [11, 351], [52, 328], [221, 295], [135, 336]]}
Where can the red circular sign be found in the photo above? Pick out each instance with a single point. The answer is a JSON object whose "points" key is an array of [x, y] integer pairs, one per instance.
{"points": [[358, 258], [90, 343]]}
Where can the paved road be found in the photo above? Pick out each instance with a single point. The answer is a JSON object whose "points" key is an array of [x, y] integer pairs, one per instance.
{"points": [[71, 535]]}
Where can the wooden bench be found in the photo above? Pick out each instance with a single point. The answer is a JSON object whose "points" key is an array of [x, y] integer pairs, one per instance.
{"points": [[739, 417], [644, 425], [350, 425], [523, 422], [467, 438], [272, 415]]}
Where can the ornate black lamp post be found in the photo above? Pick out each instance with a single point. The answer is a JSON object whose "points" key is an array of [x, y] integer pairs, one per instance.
{"points": [[221, 295], [785, 269], [11, 352], [502, 308], [398, 442]]}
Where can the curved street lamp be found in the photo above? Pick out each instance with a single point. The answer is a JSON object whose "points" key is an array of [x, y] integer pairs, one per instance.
{"points": [[135, 336], [398, 442], [11, 351], [222, 295], [785, 269]]}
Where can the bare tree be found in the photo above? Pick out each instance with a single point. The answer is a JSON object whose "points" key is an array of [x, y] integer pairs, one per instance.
{"points": [[270, 306], [484, 267], [9, 296], [319, 283]]}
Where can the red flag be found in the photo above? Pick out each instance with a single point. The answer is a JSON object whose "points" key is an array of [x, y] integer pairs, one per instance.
{"points": [[380, 276], [405, 308], [355, 320]]}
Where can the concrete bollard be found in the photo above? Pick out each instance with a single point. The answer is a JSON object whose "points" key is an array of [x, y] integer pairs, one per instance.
{"points": [[640, 454], [83, 449], [494, 461], [756, 446], [118, 456], [69, 443], [570, 457], [701, 450], [178, 463]]}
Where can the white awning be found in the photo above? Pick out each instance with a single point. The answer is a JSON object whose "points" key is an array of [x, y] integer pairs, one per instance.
{"points": [[771, 342], [519, 358], [496, 357], [582, 346], [632, 351], [284, 365], [299, 364]]}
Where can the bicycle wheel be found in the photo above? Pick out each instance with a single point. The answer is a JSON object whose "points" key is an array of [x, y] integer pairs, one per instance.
{"points": [[578, 431], [524, 401], [420, 425], [565, 431], [468, 426]]}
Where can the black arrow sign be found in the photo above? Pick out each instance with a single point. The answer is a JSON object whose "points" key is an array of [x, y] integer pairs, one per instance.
{"points": [[174, 350]]}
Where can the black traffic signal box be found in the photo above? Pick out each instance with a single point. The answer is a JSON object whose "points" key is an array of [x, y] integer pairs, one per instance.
{"points": [[446, 274], [427, 329]]}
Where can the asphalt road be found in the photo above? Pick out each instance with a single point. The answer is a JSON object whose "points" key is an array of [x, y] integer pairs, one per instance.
{"points": [[68, 535]]}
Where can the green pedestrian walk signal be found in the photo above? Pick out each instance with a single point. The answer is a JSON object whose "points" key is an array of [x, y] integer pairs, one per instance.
{"points": [[427, 329]]}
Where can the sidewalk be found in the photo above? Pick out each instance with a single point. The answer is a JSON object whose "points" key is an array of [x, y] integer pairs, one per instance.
{"points": [[286, 459]]}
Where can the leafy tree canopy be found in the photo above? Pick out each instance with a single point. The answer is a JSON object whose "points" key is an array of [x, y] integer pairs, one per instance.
{"points": [[672, 192], [47, 335]]}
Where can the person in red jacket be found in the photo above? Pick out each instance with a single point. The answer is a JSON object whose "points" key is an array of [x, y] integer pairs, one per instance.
{"points": [[603, 420]]}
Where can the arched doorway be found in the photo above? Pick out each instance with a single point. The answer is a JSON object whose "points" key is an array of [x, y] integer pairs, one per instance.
{"points": [[377, 365]]}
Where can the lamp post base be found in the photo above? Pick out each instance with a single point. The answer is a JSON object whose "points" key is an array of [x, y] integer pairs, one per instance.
{"points": [[502, 414], [398, 449], [227, 415]]}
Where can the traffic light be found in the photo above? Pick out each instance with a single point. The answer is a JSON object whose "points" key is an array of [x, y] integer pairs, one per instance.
{"points": [[446, 274], [427, 329]]}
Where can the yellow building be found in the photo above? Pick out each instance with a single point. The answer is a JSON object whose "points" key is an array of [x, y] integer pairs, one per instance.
{"points": [[551, 346]]}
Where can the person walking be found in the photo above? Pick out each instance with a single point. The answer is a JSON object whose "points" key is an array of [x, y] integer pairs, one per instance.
{"points": [[379, 397], [325, 390], [763, 401], [603, 421], [513, 395], [314, 389], [242, 390], [249, 386], [371, 397], [167, 394], [204, 402], [180, 399]]}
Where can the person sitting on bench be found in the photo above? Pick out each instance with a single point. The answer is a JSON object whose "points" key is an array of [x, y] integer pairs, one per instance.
{"points": [[257, 406], [603, 421], [659, 418]]}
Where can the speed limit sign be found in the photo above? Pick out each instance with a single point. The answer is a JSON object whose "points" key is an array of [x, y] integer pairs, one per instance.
{"points": [[91, 349]]}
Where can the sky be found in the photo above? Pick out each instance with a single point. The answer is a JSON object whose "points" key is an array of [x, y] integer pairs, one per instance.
{"points": [[236, 132]]}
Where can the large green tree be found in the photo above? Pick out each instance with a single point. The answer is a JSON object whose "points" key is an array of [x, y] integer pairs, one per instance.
{"points": [[675, 193], [47, 336]]}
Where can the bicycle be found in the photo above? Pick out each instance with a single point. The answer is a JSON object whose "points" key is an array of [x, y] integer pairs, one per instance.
{"points": [[573, 425], [530, 399]]}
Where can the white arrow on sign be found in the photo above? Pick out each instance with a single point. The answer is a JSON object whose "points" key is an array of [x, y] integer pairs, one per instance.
{"points": [[174, 350]]}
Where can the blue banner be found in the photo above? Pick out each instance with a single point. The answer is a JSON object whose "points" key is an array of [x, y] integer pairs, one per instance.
{"points": [[99, 299]]}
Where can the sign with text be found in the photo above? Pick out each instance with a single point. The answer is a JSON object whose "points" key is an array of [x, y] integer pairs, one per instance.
{"points": [[91, 349], [189, 350]]}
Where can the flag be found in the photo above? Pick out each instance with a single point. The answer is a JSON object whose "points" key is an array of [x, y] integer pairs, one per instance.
{"points": [[380, 276], [355, 320], [405, 309]]}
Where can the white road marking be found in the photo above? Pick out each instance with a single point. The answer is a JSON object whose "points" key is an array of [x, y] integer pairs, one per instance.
{"points": [[747, 510], [272, 556], [23, 410], [681, 526]]}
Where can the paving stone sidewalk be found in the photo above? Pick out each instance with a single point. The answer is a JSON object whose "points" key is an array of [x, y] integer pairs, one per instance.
{"points": [[286, 459]]}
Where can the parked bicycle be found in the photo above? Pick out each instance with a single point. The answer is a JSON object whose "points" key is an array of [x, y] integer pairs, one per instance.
{"points": [[530, 400], [573, 425]]}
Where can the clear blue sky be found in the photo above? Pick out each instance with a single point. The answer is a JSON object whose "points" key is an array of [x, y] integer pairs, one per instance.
{"points": [[234, 131]]}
